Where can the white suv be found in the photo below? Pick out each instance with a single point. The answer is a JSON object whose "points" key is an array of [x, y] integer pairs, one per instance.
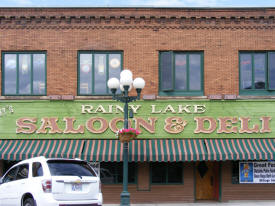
{"points": [[50, 182]]}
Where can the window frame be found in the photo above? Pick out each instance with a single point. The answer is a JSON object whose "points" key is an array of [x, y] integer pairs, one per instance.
{"points": [[166, 165], [188, 92], [17, 53], [93, 52], [254, 91]]}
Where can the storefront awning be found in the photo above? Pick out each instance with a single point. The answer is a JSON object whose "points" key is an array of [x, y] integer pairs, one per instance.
{"points": [[24, 149], [168, 150], [240, 149], [157, 150]]}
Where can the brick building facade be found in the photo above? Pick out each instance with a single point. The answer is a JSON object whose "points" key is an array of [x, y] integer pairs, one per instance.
{"points": [[140, 35]]}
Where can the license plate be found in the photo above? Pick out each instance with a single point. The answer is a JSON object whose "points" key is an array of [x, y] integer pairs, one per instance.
{"points": [[76, 187]]}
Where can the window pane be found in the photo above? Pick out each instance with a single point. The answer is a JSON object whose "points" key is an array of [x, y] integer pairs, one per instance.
{"points": [[166, 71], [195, 72], [115, 66], [37, 170], [108, 173], [70, 168], [158, 173], [39, 84], [24, 74], [259, 71], [131, 173], [10, 73], [271, 70], [175, 173], [23, 172], [112, 172], [235, 172], [10, 176], [100, 83], [246, 71], [180, 71], [85, 74]]}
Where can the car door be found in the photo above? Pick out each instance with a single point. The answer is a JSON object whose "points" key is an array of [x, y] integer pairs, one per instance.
{"points": [[20, 184], [7, 194]]}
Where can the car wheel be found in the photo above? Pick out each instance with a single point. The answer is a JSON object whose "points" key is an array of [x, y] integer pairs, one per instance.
{"points": [[29, 202]]}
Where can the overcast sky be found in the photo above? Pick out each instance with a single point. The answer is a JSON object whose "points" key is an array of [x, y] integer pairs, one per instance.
{"points": [[137, 3]]}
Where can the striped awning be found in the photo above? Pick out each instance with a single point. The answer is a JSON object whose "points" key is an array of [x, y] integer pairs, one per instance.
{"points": [[240, 149], [168, 150], [156, 150], [24, 149]]}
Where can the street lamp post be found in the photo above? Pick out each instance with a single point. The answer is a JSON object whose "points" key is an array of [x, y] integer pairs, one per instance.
{"points": [[125, 83]]}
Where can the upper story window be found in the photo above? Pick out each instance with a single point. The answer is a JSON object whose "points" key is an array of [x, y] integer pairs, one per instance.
{"points": [[181, 73], [94, 70], [257, 73], [24, 73]]}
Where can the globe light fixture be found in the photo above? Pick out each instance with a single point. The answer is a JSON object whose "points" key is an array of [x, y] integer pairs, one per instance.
{"points": [[125, 84]]}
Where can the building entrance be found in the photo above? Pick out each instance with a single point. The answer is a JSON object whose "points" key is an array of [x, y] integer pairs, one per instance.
{"points": [[207, 181]]}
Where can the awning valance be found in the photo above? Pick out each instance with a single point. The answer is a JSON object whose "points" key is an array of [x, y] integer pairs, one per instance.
{"points": [[156, 150], [168, 150], [24, 149], [240, 149]]}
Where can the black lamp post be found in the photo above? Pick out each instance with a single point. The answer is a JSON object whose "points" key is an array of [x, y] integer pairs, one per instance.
{"points": [[125, 83]]}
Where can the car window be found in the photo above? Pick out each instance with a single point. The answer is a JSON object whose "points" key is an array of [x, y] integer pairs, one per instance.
{"points": [[37, 170], [10, 176], [22, 172], [70, 168]]}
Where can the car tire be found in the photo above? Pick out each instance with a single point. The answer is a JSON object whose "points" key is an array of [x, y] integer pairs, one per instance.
{"points": [[29, 202]]}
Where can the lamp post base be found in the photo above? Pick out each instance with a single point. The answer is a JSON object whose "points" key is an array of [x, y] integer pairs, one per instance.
{"points": [[125, 198]]}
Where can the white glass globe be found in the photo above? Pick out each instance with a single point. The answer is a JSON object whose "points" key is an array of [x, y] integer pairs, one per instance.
{"points": [[113, 83], [126, 80], [139, 83], [126, 73]]}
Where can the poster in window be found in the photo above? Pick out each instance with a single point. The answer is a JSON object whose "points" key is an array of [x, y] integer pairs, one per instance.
{"points": [[257, 172]]}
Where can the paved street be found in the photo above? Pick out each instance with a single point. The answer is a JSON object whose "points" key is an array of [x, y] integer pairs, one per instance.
{"points": [[234, 203]]}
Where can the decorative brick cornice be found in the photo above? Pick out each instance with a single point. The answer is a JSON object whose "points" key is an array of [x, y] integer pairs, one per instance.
{"points": [[136, 18]]}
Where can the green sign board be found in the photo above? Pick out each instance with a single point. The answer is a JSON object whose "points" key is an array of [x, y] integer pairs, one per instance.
{"points": [[87, 119]]}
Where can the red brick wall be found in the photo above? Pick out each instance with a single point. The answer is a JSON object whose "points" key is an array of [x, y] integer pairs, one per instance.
{"points": [[156, 193], [140, 34]]}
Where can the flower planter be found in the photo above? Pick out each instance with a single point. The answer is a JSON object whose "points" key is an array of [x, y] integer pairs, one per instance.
{"points": [[126, 135]]}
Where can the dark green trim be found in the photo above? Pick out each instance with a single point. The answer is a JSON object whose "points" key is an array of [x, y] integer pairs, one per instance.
{"points": [[31, 53], [195, 181], [93, 53], [220, 181], [17, 74], [187, 91], [31, 74], [253, 91]]}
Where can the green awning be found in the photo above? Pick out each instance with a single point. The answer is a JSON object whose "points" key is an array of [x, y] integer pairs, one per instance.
{"points": [[161, 150], [240, 149], [156, 150], [24, 149]]}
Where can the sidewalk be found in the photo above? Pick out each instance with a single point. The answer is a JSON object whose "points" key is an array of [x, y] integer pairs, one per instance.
{"points": [[234, 203]]}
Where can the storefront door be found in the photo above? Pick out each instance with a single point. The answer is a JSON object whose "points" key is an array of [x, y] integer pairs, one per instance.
{"points": [[207, 181]]}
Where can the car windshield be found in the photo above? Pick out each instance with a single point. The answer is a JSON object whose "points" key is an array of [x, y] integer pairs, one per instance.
{"points": [[70, 168]]}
